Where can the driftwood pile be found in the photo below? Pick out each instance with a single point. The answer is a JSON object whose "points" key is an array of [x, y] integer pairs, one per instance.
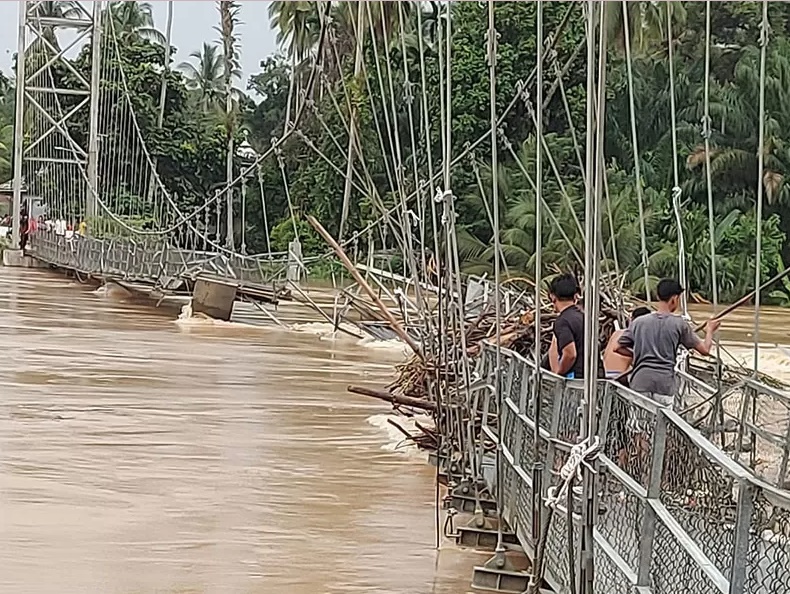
{"points": [[517, 334], [410, 391]]}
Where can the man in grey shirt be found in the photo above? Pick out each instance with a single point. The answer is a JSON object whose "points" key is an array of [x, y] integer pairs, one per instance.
{"points": [[653, 340]]}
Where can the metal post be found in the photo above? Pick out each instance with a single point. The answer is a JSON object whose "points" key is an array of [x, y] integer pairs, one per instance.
{"points": [[649, 519], [93, 138], [19, 123], [740, 549]]}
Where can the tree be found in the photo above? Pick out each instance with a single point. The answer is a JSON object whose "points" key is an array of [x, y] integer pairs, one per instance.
{"points": [[229, 12], [205, 78], [132, 17]]}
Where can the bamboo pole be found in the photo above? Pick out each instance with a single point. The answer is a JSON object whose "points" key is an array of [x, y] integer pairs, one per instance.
{"points": [[746, 298], [402, 334]]}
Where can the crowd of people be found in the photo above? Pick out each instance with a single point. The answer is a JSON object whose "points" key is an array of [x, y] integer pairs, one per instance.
{"points": [[643, 355], [29, 225]]}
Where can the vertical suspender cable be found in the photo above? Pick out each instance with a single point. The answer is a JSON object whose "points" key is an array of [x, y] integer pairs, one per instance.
{"points": [[492, 48], [676, 191], [19, 123], [714, 277], [760, 186], [706, 132], [593, 195], [537, 468]]}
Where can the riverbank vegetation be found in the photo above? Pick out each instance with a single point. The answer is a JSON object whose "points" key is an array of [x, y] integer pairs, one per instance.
{"points": [[209, 109]]}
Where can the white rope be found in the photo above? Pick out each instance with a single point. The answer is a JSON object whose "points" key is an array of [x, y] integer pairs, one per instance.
{"points": [[676, 191], [582, 455]]}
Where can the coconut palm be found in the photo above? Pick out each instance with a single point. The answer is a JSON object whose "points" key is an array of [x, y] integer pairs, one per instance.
{"points": [[298, 25], [735, 114], [647, 24], [229, 11], [6, 146], [205, 76], [55, 9], [130, 16]]}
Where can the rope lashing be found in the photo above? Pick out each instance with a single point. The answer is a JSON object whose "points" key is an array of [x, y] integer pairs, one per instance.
{"points": [[582, 455], [677, 193]]}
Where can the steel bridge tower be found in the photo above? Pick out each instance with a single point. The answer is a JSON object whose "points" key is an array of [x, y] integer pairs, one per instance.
{"points": [[47, 105]]}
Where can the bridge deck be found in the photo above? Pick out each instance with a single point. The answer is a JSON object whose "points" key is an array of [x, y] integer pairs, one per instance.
{"points": [[678, 516]]}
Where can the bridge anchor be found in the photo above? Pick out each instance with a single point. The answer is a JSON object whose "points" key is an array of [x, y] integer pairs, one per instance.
{"points": [[506, 571], [481, 533], [462, 497]]}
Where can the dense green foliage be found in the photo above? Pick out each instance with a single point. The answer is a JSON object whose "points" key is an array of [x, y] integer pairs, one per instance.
{"points": [[198, 129]]}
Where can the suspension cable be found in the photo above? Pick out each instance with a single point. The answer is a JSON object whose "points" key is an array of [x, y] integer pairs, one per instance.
{"points": [[764, 32], [676, 190], [635, 147]]}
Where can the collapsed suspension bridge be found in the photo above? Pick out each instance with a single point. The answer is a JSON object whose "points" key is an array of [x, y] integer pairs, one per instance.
{"points": [[661, 508]]}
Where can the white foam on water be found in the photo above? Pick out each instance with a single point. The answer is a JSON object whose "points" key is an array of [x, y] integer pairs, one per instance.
{"points": [[325, 329], [113, 291], [188, 319], [384, 345], [396, 441], [773, 360]]}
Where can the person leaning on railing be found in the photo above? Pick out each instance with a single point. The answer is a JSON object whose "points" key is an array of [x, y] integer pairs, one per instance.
{"points": [[652, 341]]}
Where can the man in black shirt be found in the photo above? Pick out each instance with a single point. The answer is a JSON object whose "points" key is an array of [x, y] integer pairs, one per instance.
{"points": [[566, 353]]}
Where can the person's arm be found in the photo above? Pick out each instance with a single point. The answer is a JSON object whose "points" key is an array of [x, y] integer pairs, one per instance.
{"points": [[692, 341], [553, 357], [625, 345], [565, 346]]}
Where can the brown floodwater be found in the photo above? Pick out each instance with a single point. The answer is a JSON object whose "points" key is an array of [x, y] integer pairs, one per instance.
{"points": [[142, 455]]}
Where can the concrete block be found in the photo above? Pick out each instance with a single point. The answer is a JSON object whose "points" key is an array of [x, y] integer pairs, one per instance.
{"points": [[213, 298], [18, 259]]}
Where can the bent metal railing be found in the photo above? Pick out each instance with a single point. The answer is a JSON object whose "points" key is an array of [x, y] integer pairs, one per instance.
{"points": [[148, 260], [675, 514]]}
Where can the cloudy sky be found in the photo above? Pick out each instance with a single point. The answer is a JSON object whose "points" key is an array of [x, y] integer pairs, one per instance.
{"points": [[193, 23]]}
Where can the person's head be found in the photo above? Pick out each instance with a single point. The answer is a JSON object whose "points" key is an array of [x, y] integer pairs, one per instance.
{"points": [[564, 289], [669, 292], [639, 312]]}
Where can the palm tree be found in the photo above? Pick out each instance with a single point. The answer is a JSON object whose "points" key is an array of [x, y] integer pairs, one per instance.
{"points": [[735, 114], [6, 145], [55, 9], [647, 24], [229, 11], [130, 16], [205, 78], [298, 25]]}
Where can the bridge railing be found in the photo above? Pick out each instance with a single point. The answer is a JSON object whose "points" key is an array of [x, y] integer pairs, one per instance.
{"points": [[676, 515], [150, 260], [751, 423]]}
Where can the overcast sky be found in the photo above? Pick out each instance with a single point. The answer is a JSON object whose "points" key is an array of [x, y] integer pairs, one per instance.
{"points": [[193, 23]]}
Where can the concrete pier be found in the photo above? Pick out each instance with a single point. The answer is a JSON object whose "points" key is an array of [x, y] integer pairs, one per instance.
{"points": [[18, 259]]}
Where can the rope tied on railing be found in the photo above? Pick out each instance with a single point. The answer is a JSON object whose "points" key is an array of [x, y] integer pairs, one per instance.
{"points": [[583, 454]]}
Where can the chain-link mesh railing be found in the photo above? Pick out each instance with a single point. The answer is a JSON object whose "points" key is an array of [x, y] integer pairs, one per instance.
{"points": [[675, 514], [148, 260]]}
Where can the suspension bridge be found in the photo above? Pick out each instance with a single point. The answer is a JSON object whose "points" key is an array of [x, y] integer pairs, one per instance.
{"points": [[667, 512]]}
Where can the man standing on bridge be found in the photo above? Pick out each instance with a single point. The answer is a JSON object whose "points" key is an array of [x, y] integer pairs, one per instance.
{"points": [[652, 341], [566, 353]]}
